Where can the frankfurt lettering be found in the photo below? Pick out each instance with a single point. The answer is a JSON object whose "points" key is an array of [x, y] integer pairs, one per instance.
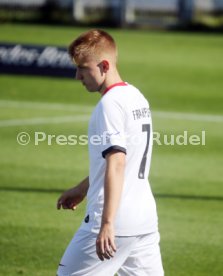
{"points": [[141, 113]]}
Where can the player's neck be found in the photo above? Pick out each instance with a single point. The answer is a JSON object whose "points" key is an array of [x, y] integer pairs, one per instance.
{"points": [[110, 81]]}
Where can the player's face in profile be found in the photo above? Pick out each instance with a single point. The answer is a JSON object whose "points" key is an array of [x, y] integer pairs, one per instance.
{"points": [[90, 73]]}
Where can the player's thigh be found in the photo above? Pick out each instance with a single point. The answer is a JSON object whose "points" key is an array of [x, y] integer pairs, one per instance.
{"points": [[145, 258], [80, 258], [78, 252]]}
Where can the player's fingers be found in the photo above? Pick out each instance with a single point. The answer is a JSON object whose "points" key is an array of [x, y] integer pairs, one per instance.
{"points": [[108, 249], [73, 206], [112, 245], [106, 256], [100, 255], [65, 206], [102, 246], [59, 203], [100, 249]]}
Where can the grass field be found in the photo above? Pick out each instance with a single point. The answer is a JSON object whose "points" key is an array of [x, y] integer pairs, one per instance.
{"points": [[181, 75]]}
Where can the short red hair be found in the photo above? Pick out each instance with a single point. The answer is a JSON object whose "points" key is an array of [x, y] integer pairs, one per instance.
{"points": [[92, 43]]}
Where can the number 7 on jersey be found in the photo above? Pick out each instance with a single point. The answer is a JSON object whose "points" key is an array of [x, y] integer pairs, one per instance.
{"points": [[141, 174]]}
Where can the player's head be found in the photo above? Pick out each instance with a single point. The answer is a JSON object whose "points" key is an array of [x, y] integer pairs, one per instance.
{"points": [[95, 55], [94, 44]]}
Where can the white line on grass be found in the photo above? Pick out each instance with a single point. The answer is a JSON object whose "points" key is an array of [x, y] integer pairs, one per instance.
{"points": [[41, 121], [188, 116], [47, 106], [86, 109]]}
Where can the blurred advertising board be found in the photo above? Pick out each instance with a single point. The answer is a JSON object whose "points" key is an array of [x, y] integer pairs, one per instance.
{"points": [[35, 60]]}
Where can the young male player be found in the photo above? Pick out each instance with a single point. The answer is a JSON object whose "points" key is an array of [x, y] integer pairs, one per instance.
{"points": [[120, 231]]}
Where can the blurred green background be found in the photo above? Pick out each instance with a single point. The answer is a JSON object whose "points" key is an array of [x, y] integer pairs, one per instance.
{"points": [[181, 76]]}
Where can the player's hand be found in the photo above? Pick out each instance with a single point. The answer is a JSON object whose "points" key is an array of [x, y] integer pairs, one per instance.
{"points": [[70, 199], [105, 243]]}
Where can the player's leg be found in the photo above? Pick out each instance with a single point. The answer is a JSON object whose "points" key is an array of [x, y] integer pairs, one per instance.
{"points": [[145, 258], [80, 258]]}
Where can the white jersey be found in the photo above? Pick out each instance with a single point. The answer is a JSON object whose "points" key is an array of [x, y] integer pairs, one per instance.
{"points": [[122, 121]]}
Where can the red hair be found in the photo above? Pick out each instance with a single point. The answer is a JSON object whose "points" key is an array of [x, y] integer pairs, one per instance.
{"points": [[92, 43]]}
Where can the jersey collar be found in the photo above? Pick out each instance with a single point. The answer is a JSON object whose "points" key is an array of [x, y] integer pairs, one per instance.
{"points": [[114, 85]]}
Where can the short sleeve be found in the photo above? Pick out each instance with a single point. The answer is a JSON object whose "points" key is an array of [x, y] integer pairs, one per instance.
{"points": [[111, 127]]}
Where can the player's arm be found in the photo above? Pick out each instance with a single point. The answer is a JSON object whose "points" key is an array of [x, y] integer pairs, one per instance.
{"points": [[72, 197], [113, 185]]}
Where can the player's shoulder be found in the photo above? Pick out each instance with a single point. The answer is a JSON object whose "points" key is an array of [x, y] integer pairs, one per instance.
{"points": [[120, 94], [114, 97], [121, 97]]}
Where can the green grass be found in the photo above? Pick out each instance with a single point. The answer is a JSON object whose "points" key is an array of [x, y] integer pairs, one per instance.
{"points": [[178, 73]]}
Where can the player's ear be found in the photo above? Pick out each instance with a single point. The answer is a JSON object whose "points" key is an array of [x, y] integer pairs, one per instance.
{"points": [[105, 65]]}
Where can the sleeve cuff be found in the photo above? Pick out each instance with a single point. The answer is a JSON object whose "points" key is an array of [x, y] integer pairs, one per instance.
{"points": [[118, 148]]}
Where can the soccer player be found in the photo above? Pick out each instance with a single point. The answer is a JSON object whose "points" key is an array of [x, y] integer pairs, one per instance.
{"points": [[119, 233]]}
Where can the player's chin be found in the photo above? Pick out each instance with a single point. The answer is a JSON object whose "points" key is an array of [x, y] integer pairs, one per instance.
{"points": [[91, 90]]}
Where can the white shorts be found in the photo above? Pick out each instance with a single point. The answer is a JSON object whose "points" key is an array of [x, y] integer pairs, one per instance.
{"points": [[135, 256]]}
